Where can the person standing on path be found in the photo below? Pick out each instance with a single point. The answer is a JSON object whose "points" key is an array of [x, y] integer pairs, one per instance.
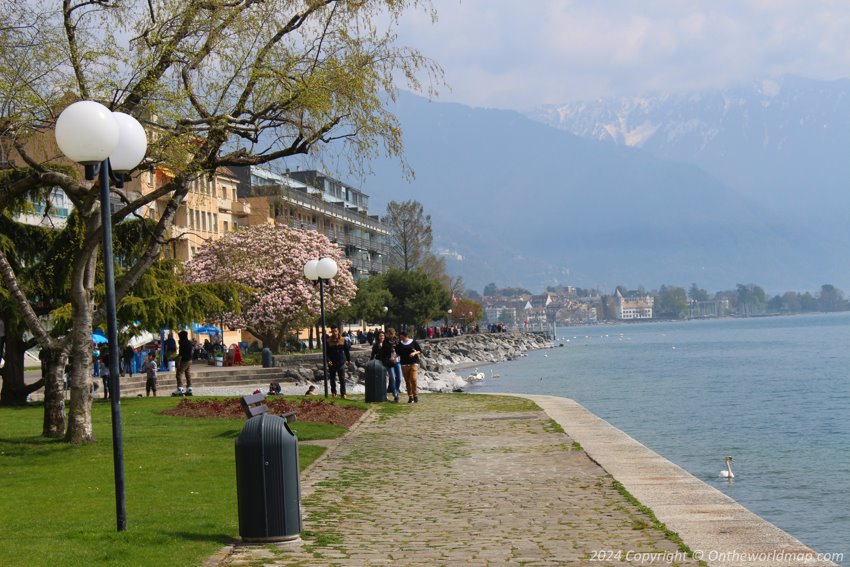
{"points": [[409, 351], [184, 364], [379, 354], [393, 364], [338, 356]]}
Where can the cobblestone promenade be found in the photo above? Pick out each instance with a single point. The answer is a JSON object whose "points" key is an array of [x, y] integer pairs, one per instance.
{"points": [[461, 479]]}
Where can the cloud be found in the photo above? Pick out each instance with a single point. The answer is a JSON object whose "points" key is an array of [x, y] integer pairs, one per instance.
{"points": [[520, 53]]}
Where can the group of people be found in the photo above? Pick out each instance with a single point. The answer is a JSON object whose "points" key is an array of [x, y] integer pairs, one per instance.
{"points": [[400, 357], [100, 368]]}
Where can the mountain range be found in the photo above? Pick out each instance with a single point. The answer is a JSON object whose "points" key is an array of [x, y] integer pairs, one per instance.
{"points": [[713, 188]]}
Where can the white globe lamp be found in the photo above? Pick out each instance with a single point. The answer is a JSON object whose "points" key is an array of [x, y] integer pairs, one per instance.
{"points": [[87, 132], [132, 143], [311, 270], [326, 268]]}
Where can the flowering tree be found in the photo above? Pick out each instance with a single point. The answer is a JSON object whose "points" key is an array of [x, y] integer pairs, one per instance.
{"points": [[270, 260]]}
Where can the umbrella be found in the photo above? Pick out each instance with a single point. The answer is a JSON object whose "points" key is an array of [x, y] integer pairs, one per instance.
{"points": [[98, 337], [208, 330]]}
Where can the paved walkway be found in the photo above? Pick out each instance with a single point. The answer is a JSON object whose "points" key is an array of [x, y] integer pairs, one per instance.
{"points": [[463, 480], [493, 480]]}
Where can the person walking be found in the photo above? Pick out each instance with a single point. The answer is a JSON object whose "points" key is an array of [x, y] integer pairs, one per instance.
{"points": [[338, 356], [149, 368], [127, 360], [393, 364], [409, 351], [184, 364]]}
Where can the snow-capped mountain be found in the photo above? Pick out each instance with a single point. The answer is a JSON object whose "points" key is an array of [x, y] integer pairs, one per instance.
{"points": [[783, 143]]}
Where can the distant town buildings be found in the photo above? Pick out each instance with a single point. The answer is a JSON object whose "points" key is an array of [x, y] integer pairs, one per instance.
{"points": [[636, 306]]}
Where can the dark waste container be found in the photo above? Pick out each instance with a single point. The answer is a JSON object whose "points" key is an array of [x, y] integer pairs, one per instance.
{"points": [[376, 381], [268, 362], [267, 486]]}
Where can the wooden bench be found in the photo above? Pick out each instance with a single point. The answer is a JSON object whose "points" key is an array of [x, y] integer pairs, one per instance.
{"points": [[255, 404]]}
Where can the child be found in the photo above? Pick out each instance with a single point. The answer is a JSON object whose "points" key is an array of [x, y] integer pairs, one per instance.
{"points": [[149, 368]]}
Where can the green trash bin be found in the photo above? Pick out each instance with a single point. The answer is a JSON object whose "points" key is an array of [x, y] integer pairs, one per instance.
{"points": [[267, 485], [376, 381]]}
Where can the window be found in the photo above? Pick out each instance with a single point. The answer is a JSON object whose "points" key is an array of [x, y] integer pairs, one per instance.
{"points": [[191, 219], [215, 223], [224, 226]]}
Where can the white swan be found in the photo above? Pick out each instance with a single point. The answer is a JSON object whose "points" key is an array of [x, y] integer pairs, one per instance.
{"points": [[475, 376], [728, 472]]}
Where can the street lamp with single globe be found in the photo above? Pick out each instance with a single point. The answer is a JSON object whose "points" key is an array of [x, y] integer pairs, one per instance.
{"points": [[89, 133], [322, 270]]}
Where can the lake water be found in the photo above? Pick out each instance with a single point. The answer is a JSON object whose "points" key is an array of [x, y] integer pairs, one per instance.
{"points": [[772, 392]]}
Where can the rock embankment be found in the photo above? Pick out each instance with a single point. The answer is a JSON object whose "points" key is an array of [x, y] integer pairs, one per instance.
{"points": [[484, 348], [445, 356], [442, 358]]}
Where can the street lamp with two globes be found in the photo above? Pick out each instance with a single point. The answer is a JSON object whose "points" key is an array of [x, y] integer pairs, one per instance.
{"points": [[106, 143], [322, 271]]}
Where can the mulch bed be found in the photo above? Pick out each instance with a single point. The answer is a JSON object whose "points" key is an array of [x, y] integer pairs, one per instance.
{"points": [[316, 411]]}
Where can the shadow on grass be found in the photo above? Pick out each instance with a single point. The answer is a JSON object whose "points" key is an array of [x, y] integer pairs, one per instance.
{"points": [[233, 434], [221, 539]]}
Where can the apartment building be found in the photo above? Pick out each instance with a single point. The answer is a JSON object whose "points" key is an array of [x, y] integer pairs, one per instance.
{"points": [[314, 201], [211, 209]]}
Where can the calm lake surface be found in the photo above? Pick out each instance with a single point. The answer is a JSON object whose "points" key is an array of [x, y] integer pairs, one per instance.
{"points": [[772, 392]]}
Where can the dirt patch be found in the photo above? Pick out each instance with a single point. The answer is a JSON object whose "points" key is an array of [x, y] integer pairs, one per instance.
{"points": [[316, 411]]}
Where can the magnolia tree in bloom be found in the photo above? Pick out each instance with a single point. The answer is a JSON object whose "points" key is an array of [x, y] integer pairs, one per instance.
{"points": [[270, 260]]}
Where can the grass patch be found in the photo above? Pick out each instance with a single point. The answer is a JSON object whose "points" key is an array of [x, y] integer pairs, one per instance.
{"points": [[59, 501], [656, 523]]}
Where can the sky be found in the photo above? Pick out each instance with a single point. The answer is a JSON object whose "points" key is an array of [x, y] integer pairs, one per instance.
{"points": [[517, 54]]}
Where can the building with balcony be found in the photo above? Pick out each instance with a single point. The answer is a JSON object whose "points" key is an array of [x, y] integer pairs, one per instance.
{"points": [[211, 209], [314, 201]]}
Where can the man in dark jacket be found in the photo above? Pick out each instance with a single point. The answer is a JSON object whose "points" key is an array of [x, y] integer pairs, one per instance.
{"points": [[184, 364], [338, 356]]}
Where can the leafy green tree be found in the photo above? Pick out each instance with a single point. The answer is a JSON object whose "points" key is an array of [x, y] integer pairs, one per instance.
{"points": [[216, 83], [671, 302], [414, 298], [750, 299], [697, 294], [490, 290]]}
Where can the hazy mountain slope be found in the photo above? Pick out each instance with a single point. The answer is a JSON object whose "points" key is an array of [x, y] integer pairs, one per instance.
{"points": [[781, 143], [526, 204]]}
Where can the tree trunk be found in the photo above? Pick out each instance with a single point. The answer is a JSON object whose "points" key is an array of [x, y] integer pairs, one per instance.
{"points": [[54, 393], [79, 429], [15, 390], [79, 410]]}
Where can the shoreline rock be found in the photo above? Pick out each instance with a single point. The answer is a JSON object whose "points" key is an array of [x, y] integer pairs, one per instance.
{"points": [[447, 355], [443, 358]]}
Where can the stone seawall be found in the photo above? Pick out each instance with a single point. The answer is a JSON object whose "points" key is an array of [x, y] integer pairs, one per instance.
{"points": [[442, 357]]}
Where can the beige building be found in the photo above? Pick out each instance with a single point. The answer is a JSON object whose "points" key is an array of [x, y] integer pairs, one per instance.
{"points": [[210, 210], [633, 307]]}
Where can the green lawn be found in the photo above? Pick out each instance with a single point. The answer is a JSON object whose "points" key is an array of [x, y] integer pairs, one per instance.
{"points": [[58, 501]]}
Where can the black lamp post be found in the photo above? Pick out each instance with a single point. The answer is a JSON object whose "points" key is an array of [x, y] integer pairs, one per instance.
{"points": [[89, 133], [322, 270]]}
